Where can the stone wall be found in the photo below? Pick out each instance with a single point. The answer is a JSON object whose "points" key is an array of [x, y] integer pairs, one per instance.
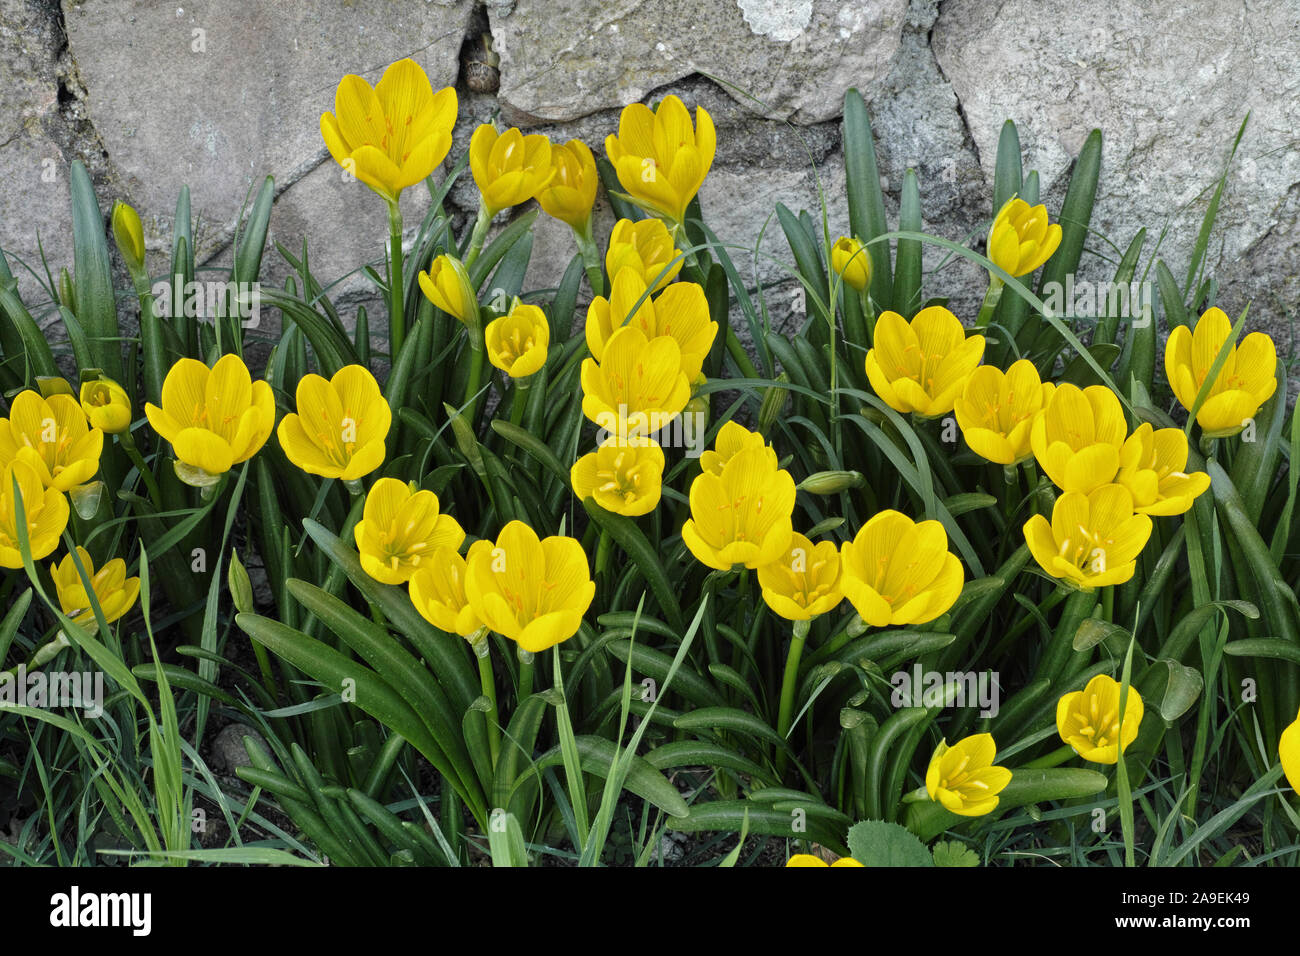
{"points": [[217, 94]]}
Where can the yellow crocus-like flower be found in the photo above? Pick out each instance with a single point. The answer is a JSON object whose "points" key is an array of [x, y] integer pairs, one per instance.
{"points": [[741, 516], [804, 582], [996, 411], [851, 262], [963, 779], [1152, 466], [115, 592], [645, 247], [532, 591], [733, 439], [394, 135], [51, 435], [340, 426], [899, 571], [1078, 437], [128, 233], [447, 285], [1093, 539], [1288, 752], [438, 592], [638, 387], [1088, 720], [401, 526], [625, 477], [921, 366], [680, 311], [807, 859], [106, 405], [517, 342], [572, 193], [1245, 382], [1021, 239], [214, 418], [509, 168], [46, 511], [660, 158]]}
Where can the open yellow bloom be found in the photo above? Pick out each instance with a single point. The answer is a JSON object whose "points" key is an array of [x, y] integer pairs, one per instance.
{"points": [[638, 387], [645, 247], [214, 418], [401, 526], [899, 571], [1078, 437], [1021, 239], [1152, 466], [741, 516], [51, 435], [807, 859], [115, 592], [106, 405], [532, 591], [572, 193], [996, 410], [681, 311], [1246, 381], [623, 477], [963, 779], [733, 439], [1093, 539], [804, 582], [340, 426], [509, 168], [851, 262], [394, 135], [922, 365], [448, 287], [437, 590], [660, 158], [46, 511], [1288, 752], [1088, 720], [517, 343]]}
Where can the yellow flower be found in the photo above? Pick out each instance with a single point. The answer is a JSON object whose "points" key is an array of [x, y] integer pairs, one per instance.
{"points": [[115, 592], [509, 168], [394, 135], [1021, 239], [922, 365], [638, 387], [128, 233], [733, 439], [46, 510], [660, 158], [214, 418], [996, 411], [572, 193], [1246, 381], [804, 582], [532, 591], [681, 311], [1088, 720], [1093, 539], [1152, 467], [807, 859], [107, 405], [741, 516], [517, 343], [438, 592], [399, 526], [899, 571], [623, 477], [340, 426], [851, 262], [52, 436], [1078, 437], [645, 247], [447, 285], [1288, 752], [963, 779]]}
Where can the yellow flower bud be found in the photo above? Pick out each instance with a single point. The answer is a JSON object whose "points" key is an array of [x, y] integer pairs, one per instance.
{"points": [[448, 287], [1021, 239], [107, 405], [128, 233], [852, 262]]}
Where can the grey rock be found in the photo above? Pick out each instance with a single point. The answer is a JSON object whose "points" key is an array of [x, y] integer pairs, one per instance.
{"points": [[228, 751]]}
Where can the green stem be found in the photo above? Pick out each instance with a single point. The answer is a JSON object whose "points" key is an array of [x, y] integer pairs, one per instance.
{"points": [[519, 401], [525, 675], [396, 294], [991, 298], [478, 358], [868, 315], [788, 682], [591, 260], [1054, 759], [603, 550], [483, 650], [132, 452], [479, 235]]}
